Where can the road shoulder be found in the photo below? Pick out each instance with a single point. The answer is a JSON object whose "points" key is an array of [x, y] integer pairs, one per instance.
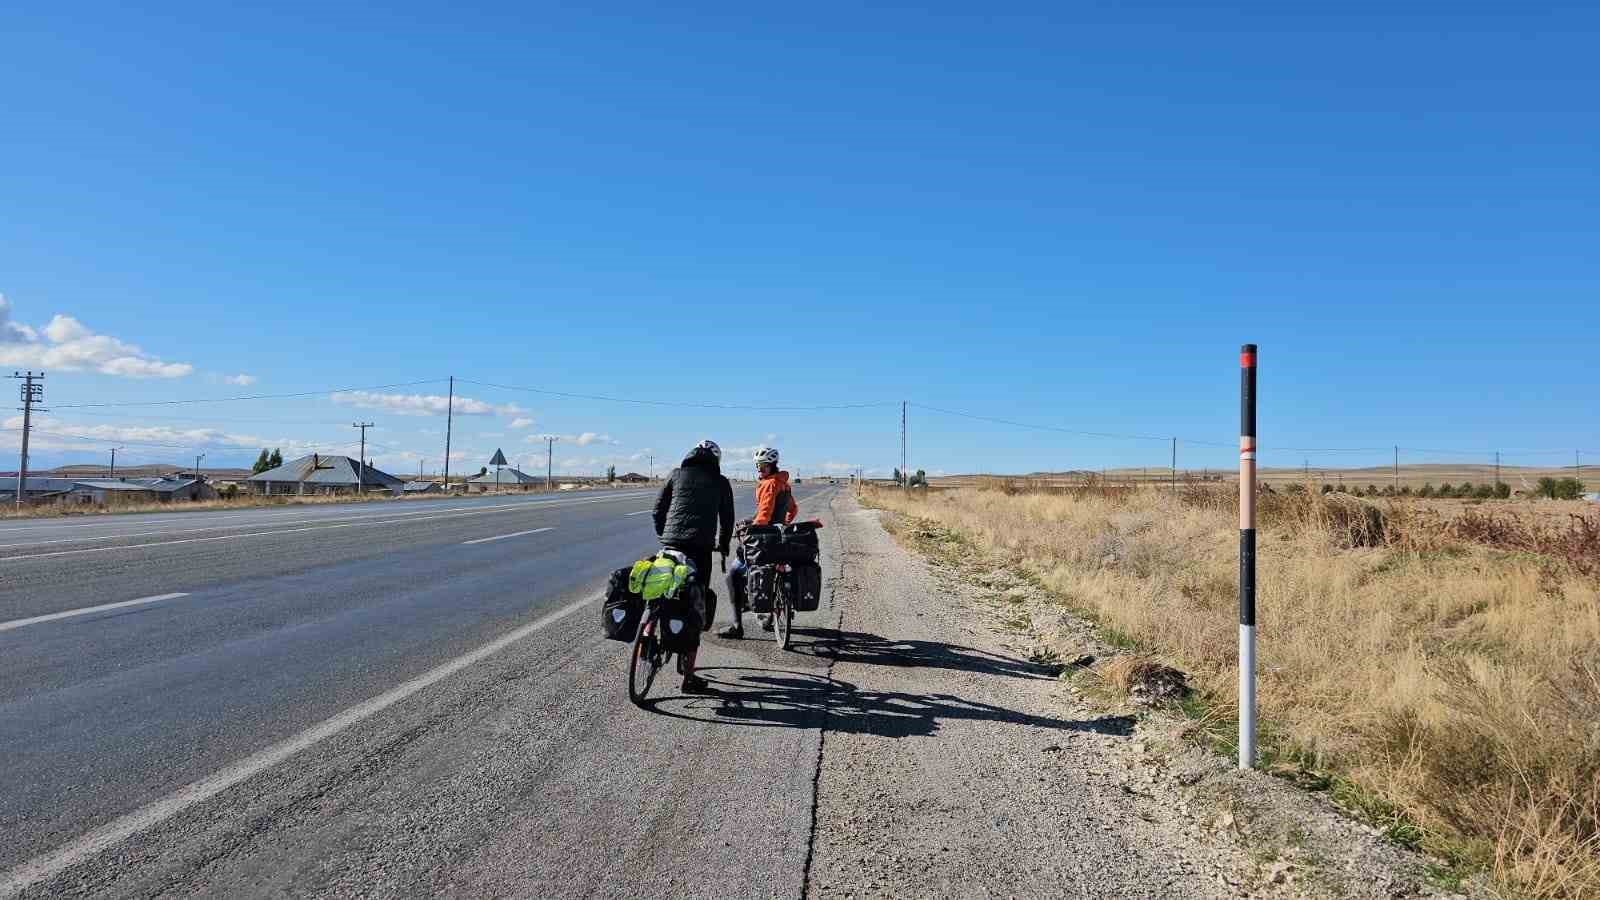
{"points": [[953, 766]]}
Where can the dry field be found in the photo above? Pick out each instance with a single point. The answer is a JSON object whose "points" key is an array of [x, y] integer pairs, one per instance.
{"points": [[1521, 478], [1440, 672]]}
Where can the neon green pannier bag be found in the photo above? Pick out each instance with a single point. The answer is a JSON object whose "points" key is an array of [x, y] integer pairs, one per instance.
{"points": [[662, 577], [636, 577]]}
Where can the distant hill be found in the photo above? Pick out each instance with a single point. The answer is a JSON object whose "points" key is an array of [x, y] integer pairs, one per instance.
{"points": [[144, 470]]}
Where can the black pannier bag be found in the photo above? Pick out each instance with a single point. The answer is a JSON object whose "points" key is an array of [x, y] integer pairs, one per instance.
{"points": [[800, 543], [762, 586], [622, 609], [678, 625], [763, 545], [807, 586]]}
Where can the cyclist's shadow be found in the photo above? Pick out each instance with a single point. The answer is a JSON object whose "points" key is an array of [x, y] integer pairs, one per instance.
{"points": [[775, 698], [871, 649]]}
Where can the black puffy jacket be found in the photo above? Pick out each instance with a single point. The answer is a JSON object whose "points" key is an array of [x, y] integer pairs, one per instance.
{"points": [[694, 501]]}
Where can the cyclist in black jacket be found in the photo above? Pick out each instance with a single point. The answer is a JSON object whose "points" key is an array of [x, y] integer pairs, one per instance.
{"points": [[694, 515]]}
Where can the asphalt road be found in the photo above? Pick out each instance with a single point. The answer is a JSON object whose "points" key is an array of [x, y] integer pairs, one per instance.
{"points": [[252, 666]]}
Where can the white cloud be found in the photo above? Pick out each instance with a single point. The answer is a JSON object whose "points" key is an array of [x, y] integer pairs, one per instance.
{"points": [[491, 434], [522, 422], [50, 433], [581, 440], [241, 380], [838, 467], [67, 344], [422, 404], [745, 454]]}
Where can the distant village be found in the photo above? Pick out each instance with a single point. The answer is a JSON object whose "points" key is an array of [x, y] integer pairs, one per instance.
{"points": [[315, 475]]}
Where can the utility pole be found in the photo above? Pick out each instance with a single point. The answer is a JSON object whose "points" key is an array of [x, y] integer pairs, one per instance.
{"points": [[32, 392], [652, 467], [197, 458], [449, 417], [905, 477], [549, 462], [1577, 464], [1497, 468], [1174, 467], [113, 472], [361, 470], [1397, 468]]}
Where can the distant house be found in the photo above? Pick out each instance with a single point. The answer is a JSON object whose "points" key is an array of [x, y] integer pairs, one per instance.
{"points": [[101, 492], [632, 478], [38, 487], [422, 487], [321, 475], [511, 479]]}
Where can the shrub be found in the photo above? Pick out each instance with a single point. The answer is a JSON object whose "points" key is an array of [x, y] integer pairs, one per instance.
{"points": [[1559, 488], [1427, 490], [1484, 491], [1447, 490], [1502, 490]]}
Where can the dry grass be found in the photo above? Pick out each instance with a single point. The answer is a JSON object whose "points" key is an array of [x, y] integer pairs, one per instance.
{"points": [[1456, 684]]}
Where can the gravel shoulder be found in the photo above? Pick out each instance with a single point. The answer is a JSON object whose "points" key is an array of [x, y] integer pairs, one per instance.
{"points": [[954, 766]]}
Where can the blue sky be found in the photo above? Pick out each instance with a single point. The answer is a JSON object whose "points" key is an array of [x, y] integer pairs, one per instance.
{"points": [[1054, 214]]}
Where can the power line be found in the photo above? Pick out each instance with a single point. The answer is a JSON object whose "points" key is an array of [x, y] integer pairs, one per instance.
{"points": [[679, 403], [1111, 434], [375, 387]]}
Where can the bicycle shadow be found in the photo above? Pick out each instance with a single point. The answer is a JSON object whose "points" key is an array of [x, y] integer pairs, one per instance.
{"points": [[874, 650], [776, 698]]}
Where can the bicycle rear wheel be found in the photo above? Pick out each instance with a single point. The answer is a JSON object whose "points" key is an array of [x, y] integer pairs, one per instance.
{"points": [[647, 661]]}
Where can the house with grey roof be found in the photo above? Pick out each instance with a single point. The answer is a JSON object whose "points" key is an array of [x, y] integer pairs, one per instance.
{"points": [[509, 479], [104, 491], [413, 488], [321, 475]]}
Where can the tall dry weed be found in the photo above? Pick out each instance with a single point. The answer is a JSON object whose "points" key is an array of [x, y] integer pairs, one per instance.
{"points": [[1452, 679]]}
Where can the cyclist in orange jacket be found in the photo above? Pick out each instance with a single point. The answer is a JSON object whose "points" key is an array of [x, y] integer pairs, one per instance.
{"points": [[774, 506]]}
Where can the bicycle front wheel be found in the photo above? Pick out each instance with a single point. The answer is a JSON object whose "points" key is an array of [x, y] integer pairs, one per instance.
{"points": [[782, 612]]}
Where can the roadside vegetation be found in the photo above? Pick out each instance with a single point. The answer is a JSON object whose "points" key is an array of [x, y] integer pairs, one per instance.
{"points": [[1438, 673]]}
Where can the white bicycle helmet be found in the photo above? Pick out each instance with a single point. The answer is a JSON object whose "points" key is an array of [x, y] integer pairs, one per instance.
{"points": [[766, 455], [710, 445]]}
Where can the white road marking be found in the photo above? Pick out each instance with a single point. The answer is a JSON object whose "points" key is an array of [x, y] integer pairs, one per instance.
{"points": [[406, 518], [639, 513], [67, 614], [112, 833], [501, 537]]}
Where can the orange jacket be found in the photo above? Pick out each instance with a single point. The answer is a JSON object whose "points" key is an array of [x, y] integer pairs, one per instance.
{"points": [[768, 492]]}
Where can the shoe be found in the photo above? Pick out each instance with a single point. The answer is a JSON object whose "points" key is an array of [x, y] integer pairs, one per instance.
{"points": [[732, 632], [694, 684], [766, 622]]}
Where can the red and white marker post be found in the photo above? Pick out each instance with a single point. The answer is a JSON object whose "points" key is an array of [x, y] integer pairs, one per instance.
{"points": [[1247, 556]]}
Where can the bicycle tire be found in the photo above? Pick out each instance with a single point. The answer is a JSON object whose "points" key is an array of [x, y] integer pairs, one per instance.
{"points": [[782, 612], [646, 661]]}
